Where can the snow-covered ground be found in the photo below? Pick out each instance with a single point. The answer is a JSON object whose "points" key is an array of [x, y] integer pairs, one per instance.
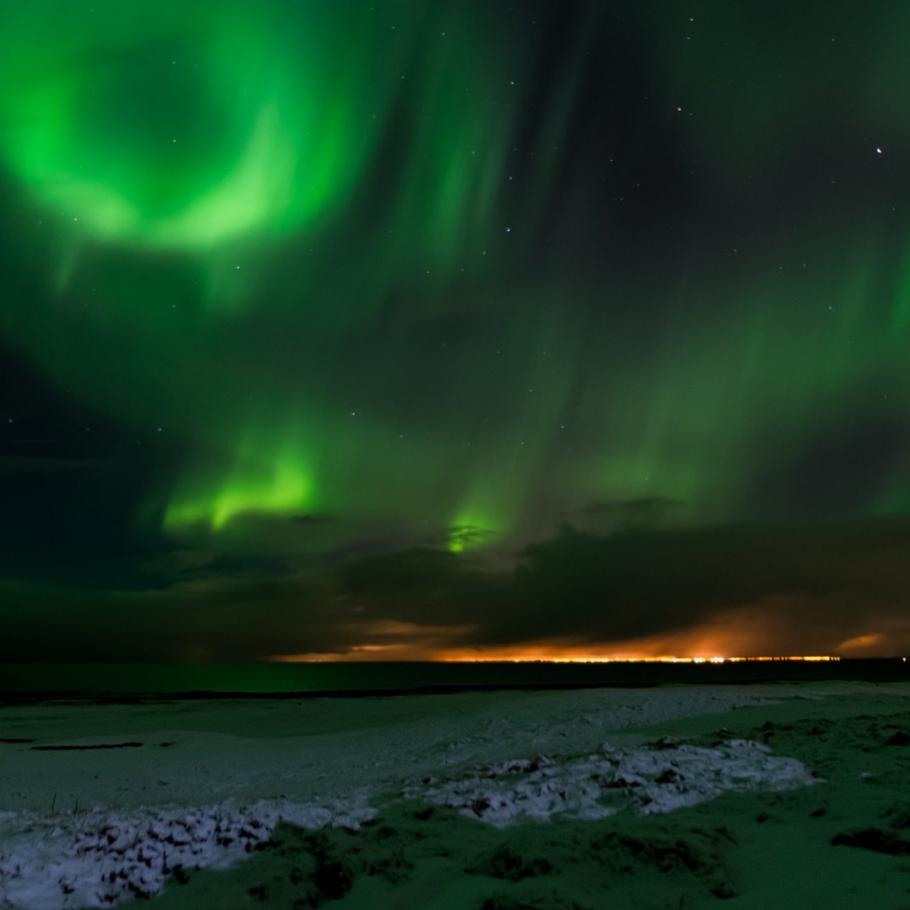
{"points": [[100, 858], [649, 780], [205, 784]]}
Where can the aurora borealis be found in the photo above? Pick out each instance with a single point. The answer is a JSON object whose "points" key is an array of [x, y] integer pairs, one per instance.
{"points": [[397, 329]]}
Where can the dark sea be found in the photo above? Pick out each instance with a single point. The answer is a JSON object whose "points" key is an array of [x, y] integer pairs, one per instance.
{"points": [[112, 680]]}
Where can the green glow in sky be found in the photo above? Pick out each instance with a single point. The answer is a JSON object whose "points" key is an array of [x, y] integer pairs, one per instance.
{"points": [[280, 488], [462, 271], [218, 126]]}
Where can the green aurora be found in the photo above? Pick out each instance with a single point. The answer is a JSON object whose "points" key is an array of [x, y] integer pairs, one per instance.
{"points": [[355, 276]]}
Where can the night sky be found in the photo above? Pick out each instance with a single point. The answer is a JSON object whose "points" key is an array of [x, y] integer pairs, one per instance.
{"points": [[378, 328]]}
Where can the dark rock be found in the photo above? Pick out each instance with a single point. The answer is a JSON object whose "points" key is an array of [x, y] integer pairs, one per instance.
{"points": [[668, 776], [664, 855], [506, 863], [621, 783], [333, 877], [723, 891], [180, 874], [394, 868], [480, 805], [876, 839]]}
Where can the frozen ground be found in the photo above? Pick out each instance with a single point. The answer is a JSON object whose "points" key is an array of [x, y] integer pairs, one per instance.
{"points": [[659, 778], [102, 804], [206, 752], [102, 857]]}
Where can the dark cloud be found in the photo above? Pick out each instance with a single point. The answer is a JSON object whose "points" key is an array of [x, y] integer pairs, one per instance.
{"points": [[314, 519], [801, 589], [639, 512]]}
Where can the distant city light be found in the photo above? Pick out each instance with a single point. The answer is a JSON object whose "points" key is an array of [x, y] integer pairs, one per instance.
{"points": [[663, 659]]}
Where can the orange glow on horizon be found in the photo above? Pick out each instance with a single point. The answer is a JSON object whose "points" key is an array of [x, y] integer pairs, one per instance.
{"points": [[379, 653], [636, 659], [763, 632]]}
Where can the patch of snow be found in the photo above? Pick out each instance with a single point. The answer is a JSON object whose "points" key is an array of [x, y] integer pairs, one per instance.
{"points": [[100, 858], [646, 780]]}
